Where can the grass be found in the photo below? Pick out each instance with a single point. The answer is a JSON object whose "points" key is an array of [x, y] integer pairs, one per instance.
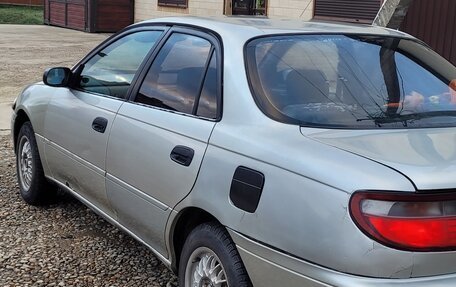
{"points": [[10, 14]]}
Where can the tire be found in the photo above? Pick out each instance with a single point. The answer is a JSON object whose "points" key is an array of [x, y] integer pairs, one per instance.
{"points": [[207, 246], [34, 187]]}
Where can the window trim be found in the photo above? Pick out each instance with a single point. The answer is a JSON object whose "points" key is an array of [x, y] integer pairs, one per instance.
{"points": [[110, 40], [201, 87], [216, 49]]}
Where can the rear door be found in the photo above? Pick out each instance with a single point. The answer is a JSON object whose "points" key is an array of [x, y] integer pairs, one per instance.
{"points": [[78, 119], [159, 137]]}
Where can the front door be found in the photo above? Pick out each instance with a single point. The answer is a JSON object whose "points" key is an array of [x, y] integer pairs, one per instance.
{"points": [[79, 119], [159, 138]]}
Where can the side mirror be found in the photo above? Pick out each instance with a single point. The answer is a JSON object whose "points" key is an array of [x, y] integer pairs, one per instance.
{"points": [[57, 77]]}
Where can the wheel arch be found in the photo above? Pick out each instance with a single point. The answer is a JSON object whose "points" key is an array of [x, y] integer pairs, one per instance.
{"points": [[184, 222], [21, 118]]}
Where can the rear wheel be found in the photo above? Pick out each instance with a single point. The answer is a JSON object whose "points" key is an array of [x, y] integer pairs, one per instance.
{"points": [[34, 187], [210, 259]]}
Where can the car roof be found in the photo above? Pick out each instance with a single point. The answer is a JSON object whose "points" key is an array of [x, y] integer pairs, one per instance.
{"points": [[257, 26]]}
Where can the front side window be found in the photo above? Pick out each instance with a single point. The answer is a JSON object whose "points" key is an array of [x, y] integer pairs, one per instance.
{"points": [[182, 77], [352, 81], [111, 71]]}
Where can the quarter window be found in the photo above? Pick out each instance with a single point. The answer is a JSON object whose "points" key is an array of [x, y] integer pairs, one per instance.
{"points": [[175, 79], [111, 71]]}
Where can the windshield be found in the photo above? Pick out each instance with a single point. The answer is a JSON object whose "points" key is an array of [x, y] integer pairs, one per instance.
{"points": [[351, 81]]}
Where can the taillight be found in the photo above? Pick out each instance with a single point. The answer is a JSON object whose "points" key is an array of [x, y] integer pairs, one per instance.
{"points": [[413, 222]]}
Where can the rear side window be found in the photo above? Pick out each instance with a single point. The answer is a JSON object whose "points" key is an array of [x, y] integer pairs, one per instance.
{"points": [[182, 76], [111, 71], [352, 81]]}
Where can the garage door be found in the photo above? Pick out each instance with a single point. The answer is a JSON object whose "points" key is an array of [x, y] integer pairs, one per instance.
{"points": [[360, 11]]}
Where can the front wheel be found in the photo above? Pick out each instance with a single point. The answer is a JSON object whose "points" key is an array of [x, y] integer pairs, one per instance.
{"points": [[210, 259], [34, 187]]}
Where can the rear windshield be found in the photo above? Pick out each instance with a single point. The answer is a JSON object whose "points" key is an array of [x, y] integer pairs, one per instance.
{"points": [[347, 81]]}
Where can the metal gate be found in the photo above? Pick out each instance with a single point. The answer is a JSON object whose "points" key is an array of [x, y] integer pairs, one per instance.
{"points": [[360, 11], [434, 22], [66, 13], [89, 15]]}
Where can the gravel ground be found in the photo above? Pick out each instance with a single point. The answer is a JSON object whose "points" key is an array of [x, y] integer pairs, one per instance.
{"points": [[27, 50], [66, 244]]}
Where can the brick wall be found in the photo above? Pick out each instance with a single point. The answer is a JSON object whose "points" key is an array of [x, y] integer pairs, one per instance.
{"points": [[298, 9]]}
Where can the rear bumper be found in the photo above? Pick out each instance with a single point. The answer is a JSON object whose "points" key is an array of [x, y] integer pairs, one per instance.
{"points": [[270, 268]]}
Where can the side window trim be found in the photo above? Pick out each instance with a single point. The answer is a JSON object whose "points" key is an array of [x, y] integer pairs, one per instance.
{"points": [[203, 80], [215, 50], [80, 65]]}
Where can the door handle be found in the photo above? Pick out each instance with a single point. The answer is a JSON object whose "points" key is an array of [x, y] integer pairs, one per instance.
{"points": [[182, 155], [99, 124]]}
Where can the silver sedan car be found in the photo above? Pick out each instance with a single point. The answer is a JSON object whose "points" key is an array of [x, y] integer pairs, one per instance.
{"points": [[256, 152]]}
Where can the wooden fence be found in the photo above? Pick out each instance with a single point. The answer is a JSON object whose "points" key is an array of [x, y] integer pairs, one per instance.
{"points": [[23, 2]]}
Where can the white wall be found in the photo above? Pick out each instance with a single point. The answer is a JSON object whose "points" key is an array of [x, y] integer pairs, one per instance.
{"points": [[297, 9], [291, 9]]}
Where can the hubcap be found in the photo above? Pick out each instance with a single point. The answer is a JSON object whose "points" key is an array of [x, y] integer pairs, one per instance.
{"points": [[25, 163], [204, 269]]}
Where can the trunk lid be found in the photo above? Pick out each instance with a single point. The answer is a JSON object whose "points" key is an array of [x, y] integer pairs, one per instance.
{"points": [[426, 156]]}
